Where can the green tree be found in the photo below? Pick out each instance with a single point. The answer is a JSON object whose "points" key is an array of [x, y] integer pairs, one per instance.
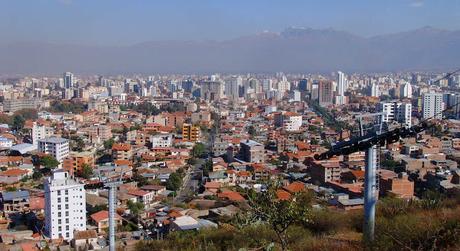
{"points": [[109, 143], [86, 171], [27, 113], [198, 150], [49, 162], [135, 207], [18, 122], [11, 189], [174, 182], [252, 131], [278, 213], [37, 175]]}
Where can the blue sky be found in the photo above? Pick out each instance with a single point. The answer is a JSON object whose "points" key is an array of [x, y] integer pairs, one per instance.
{"points": [[124, 22]]}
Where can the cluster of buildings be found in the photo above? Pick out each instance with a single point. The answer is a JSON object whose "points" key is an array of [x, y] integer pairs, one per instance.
{"points": [[249, 129]]}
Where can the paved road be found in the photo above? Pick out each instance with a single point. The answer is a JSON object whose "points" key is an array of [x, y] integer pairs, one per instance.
{"points": [[190, 182]]}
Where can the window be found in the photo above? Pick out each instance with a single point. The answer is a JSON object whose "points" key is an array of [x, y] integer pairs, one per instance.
{"points": [[66, 192], [67, 234], [59, 207], [59, 214], [66, 213], [66, 206], [59, 221], [67, 220], [67, 227], [59, 200], [66, 199], [59, 192], [59, 228]]}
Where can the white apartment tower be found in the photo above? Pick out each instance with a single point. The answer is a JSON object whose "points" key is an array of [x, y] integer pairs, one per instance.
{"points": [[54, 146], [432, 105], [232, 87], [68, 80], [283, 85], [397, 111], [341, 84], [40, 132], [340, 98], [65, 206], [375, 90], [406, 90]]}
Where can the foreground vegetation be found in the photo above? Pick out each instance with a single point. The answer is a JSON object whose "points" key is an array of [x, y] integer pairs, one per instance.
{"points": [[432, 223]]}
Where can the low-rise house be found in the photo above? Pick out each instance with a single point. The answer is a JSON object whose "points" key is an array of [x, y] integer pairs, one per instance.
{"points": [[231, 196], [156, 189], [186, 223], [101, 220], [13, 175], [122, 151], [15, 201], [146, 197], [219, 176], [397, 185], [85, 240]]}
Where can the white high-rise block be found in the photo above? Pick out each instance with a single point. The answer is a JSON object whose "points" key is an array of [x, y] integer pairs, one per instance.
{"points": [[65, 206]]}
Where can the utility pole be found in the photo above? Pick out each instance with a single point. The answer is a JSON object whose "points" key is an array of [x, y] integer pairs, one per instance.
{"points": [[112, 185], [370, 193]]}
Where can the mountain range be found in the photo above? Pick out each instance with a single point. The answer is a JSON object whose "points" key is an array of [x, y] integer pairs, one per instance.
{"points": [[292, 50]]}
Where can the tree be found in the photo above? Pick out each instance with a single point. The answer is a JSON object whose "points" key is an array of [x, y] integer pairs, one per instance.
{"points": [[207, 167], [109, 143], [11, 189], [18, 122], [135, 207], [27, 113], [278, 213], [49, 162], [198, 150], [252, 131], [37, 175], [174, 182], [86, 171]]}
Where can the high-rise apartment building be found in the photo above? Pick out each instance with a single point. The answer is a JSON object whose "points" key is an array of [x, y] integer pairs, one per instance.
{"points": [[212, 90], [397, 111], [65, 206], [405, 90], [341, 84], [232, 87], [40, 131], [54, 146], [375, 90], [68, 80], [325, 93], [432, 105]]}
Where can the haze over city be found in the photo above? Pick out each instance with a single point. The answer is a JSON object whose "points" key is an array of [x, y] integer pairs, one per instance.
{"points": [[110, 37]]}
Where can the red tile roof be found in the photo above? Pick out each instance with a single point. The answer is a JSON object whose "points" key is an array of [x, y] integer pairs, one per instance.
{"points": [[137, 192], [13, 172], [282, 195], [295, 187], [102, 215], [121, 147], [231, 195]]}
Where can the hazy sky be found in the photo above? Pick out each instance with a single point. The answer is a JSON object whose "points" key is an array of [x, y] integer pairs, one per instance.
{"points": [[123, 22]]}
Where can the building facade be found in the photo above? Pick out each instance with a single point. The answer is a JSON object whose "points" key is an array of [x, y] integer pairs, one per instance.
{"points": [[54, 146], [65, 206]]}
